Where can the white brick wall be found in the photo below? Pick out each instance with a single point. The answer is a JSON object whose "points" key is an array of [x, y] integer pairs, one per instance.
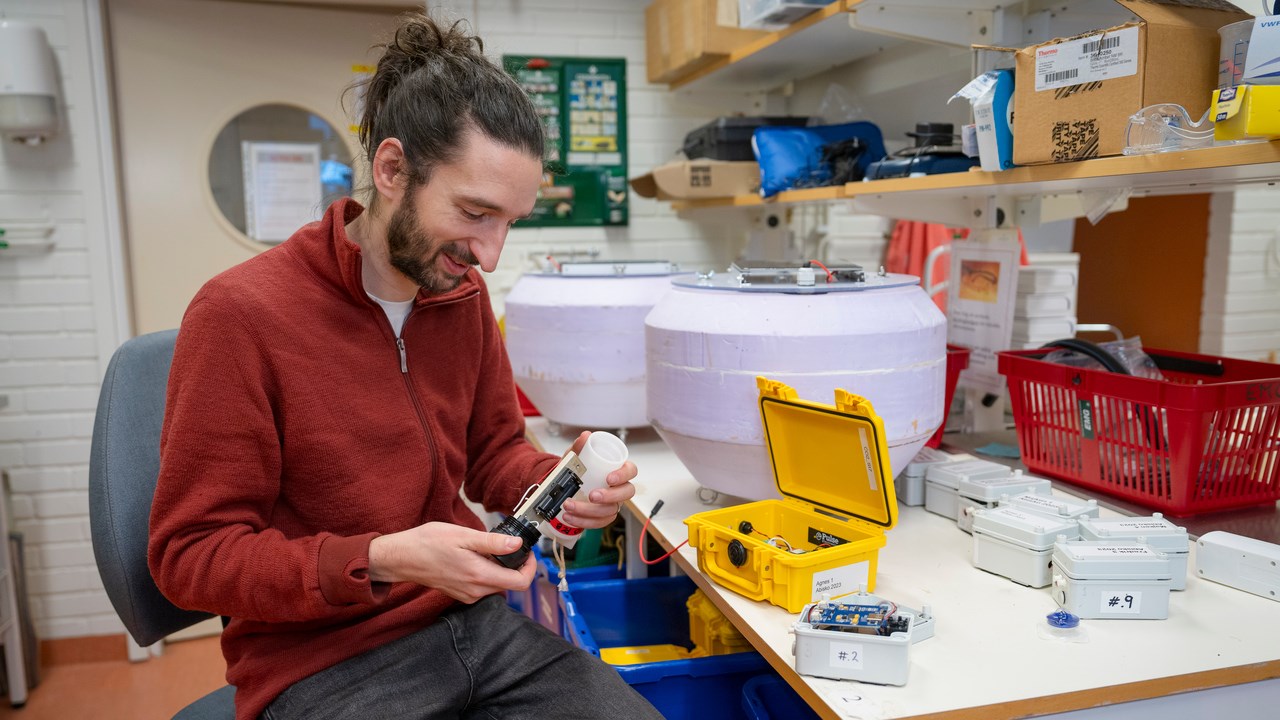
{"points": [[656, 126], [1241, 312], [59, 319]]}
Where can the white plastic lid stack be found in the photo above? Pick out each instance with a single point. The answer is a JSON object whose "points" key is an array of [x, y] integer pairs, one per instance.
{"points": [[928, 457], [1110, 560], [1046, 504], [910, 484], [950, 474], [1035, 532], [991, 489]]}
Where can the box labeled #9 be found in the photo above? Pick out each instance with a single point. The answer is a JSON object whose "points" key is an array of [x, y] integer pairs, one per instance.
{"points": [[831, 464]]}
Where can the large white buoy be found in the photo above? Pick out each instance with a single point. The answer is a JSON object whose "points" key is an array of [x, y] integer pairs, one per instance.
{"points": [[575, 337], [706, 341]]}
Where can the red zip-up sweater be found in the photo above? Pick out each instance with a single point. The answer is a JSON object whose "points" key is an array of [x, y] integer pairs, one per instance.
{"points": [[297, 428]]}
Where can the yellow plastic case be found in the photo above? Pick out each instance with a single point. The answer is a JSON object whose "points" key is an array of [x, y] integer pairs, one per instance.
{"points": [[710, 630], [637, 654], [831, 464]]}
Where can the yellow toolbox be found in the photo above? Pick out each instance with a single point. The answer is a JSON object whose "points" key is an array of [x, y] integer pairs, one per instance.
{"points": [[712, 633], [831, 464], [1246, 111]]}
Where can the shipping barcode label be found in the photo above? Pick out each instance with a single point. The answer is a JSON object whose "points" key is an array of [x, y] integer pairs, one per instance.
{"points": [[1086, 60]]}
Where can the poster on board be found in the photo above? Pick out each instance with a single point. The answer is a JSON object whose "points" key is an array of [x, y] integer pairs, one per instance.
{"points": [[282, 189], [980, 304]]}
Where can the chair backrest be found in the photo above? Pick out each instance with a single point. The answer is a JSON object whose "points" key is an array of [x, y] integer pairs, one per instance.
{"points": [[124, 462]]}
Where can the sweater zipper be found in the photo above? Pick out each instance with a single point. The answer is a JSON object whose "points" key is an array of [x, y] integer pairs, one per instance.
{"points": [[413, 397]]}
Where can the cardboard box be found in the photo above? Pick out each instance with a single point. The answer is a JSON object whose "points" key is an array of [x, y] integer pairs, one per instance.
{"points": [[1247, 111], [683, 36], [1074, 96], [695, 179]]}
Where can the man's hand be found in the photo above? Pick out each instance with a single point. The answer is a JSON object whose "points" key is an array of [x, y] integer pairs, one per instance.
{"points": [[606, 502], [450, 558]]}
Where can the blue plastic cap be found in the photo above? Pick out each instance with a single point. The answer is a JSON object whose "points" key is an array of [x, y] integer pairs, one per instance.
{"points": [[1062, 619]]}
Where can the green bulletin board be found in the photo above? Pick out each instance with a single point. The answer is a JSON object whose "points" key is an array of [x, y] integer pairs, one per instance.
{"points": [[583, 105]]}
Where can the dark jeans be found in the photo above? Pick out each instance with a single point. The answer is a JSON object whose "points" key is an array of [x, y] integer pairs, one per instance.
{"points": [[482, 661]]}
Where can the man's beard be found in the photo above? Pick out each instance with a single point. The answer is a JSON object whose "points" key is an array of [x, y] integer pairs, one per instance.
{"points": [[417, 255]]}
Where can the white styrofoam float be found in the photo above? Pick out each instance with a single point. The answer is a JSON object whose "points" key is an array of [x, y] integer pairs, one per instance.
{"points": [[575, 338], [710, 337]]}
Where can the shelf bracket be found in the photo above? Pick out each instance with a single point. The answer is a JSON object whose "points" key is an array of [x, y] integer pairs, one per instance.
{"points": [[953, 210], [953, 24], [1040, 209]]}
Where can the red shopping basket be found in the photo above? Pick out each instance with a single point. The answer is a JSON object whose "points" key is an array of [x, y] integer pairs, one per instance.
{"points": [[957, 360], [1207, 438]]}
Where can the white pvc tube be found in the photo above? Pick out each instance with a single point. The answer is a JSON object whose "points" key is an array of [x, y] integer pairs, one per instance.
{"points": [[602, 454]]}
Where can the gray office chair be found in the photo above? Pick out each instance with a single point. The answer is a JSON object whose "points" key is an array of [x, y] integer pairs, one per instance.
{"points": [[123, 464]]}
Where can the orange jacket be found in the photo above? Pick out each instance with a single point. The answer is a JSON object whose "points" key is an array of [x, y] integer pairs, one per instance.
{"points": [[292, 437]]}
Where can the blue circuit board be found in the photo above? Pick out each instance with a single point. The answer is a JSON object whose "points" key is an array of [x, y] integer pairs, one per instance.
{"points": [[850, 618]]}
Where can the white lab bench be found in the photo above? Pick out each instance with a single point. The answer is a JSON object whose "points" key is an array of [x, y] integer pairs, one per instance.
{"points": [[986, 659]]}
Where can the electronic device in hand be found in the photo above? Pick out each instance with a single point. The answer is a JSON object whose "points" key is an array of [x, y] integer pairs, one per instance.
{"points": [[542, 503]]}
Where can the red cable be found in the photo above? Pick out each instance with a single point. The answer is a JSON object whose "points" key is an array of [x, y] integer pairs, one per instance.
{"points": [[824, 268], [640, 546]]}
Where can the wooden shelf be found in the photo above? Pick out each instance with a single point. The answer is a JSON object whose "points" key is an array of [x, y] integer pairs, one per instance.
{"points": [[817, 42], [1175, 173], [808, 195]]}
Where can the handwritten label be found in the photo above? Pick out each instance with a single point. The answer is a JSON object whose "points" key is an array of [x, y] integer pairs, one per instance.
{"points": [[866, 458], [841, 580], [1121, 602], [846, 655]]}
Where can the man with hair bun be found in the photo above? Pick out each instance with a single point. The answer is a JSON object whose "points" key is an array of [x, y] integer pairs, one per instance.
{"points": [[330, 398]]}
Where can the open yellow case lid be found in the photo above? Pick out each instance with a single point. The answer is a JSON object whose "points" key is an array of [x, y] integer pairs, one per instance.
{"points": [[833, 457]]}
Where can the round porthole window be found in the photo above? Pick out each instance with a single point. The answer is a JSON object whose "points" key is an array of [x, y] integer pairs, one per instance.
{"points": [[274, 168]]}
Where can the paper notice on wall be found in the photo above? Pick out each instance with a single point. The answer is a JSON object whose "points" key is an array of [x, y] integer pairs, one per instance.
{"points": [[282, 190], [1094, 58], [980, 302]]}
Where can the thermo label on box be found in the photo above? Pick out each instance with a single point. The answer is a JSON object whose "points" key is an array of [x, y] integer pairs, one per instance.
{"points": [[1088, 59], [841, 580]]}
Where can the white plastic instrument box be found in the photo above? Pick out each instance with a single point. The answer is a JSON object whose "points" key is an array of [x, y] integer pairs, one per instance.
{"points": [[1239, 562], [1060, 507], [986, 492], [866, 656], [942, 481], [1155, 531], [1017, 545], [910, 485], [1111, 580]]}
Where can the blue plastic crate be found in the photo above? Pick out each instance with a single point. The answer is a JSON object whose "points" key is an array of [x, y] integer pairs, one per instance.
{"points": [[546, 593], [652, 611], [524, 601], [769, 697]]}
